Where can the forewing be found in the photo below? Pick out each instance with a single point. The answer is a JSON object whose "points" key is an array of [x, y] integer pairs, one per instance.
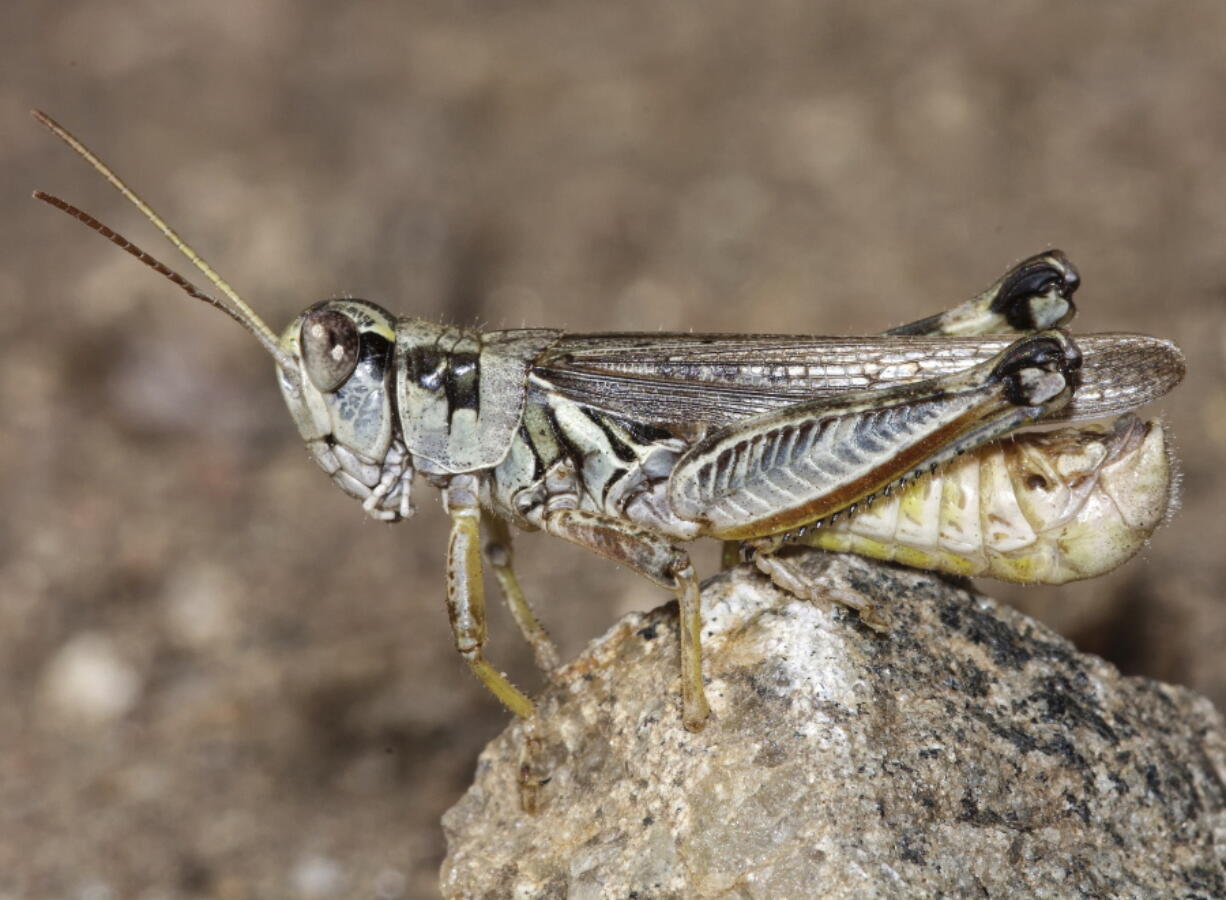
{"points": [[700, 381]]}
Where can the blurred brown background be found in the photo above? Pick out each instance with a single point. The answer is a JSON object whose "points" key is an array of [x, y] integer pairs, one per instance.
{"points": [[219, 678]]}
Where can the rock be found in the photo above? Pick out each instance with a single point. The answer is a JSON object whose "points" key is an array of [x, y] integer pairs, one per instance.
{"points": [[956, 747]]}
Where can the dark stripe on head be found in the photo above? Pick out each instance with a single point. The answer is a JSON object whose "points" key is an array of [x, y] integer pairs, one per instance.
{"points": [[375, 348]]}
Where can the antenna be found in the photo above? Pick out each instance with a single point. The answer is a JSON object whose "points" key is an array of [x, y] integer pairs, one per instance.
{"points": [[239, 310]]}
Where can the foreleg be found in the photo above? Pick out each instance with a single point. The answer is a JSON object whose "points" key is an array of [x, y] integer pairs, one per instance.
{"points": [[466, 593]]}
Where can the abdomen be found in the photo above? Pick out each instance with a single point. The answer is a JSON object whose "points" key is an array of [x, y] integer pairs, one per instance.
{"points": [[1047, 507]]}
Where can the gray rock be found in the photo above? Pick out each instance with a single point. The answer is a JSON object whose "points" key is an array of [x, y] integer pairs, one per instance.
{"points": [[956, 747]]}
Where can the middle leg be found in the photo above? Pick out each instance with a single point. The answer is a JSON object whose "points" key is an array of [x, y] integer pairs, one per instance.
{"points": [[652, 555]]}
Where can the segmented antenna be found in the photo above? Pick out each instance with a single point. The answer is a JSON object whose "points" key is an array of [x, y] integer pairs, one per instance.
{"points": [[147, 258], [239, 310]]}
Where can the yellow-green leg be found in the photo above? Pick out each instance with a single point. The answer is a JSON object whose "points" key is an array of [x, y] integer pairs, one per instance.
{"points": [[498, 555], [466, 593]]}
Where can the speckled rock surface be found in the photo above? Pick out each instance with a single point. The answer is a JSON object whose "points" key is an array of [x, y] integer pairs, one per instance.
{"points": [[956, 747]]}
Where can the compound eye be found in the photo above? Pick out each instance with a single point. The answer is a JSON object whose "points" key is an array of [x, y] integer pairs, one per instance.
{"points": [[330, 344]]}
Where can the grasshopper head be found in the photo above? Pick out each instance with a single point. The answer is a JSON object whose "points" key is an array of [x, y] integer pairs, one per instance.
{"points": [[334, 362], [339, 389]]}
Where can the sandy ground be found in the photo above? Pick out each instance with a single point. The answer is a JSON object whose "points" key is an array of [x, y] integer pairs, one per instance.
{"points": [[219, 679]]}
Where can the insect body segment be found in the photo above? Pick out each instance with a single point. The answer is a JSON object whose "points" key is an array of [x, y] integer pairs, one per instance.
{"points": [[629, 444], [1048, 506], [461, 393]]}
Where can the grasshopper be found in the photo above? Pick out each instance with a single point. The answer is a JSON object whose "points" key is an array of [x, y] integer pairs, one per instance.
{"points": [[632, 444]]}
